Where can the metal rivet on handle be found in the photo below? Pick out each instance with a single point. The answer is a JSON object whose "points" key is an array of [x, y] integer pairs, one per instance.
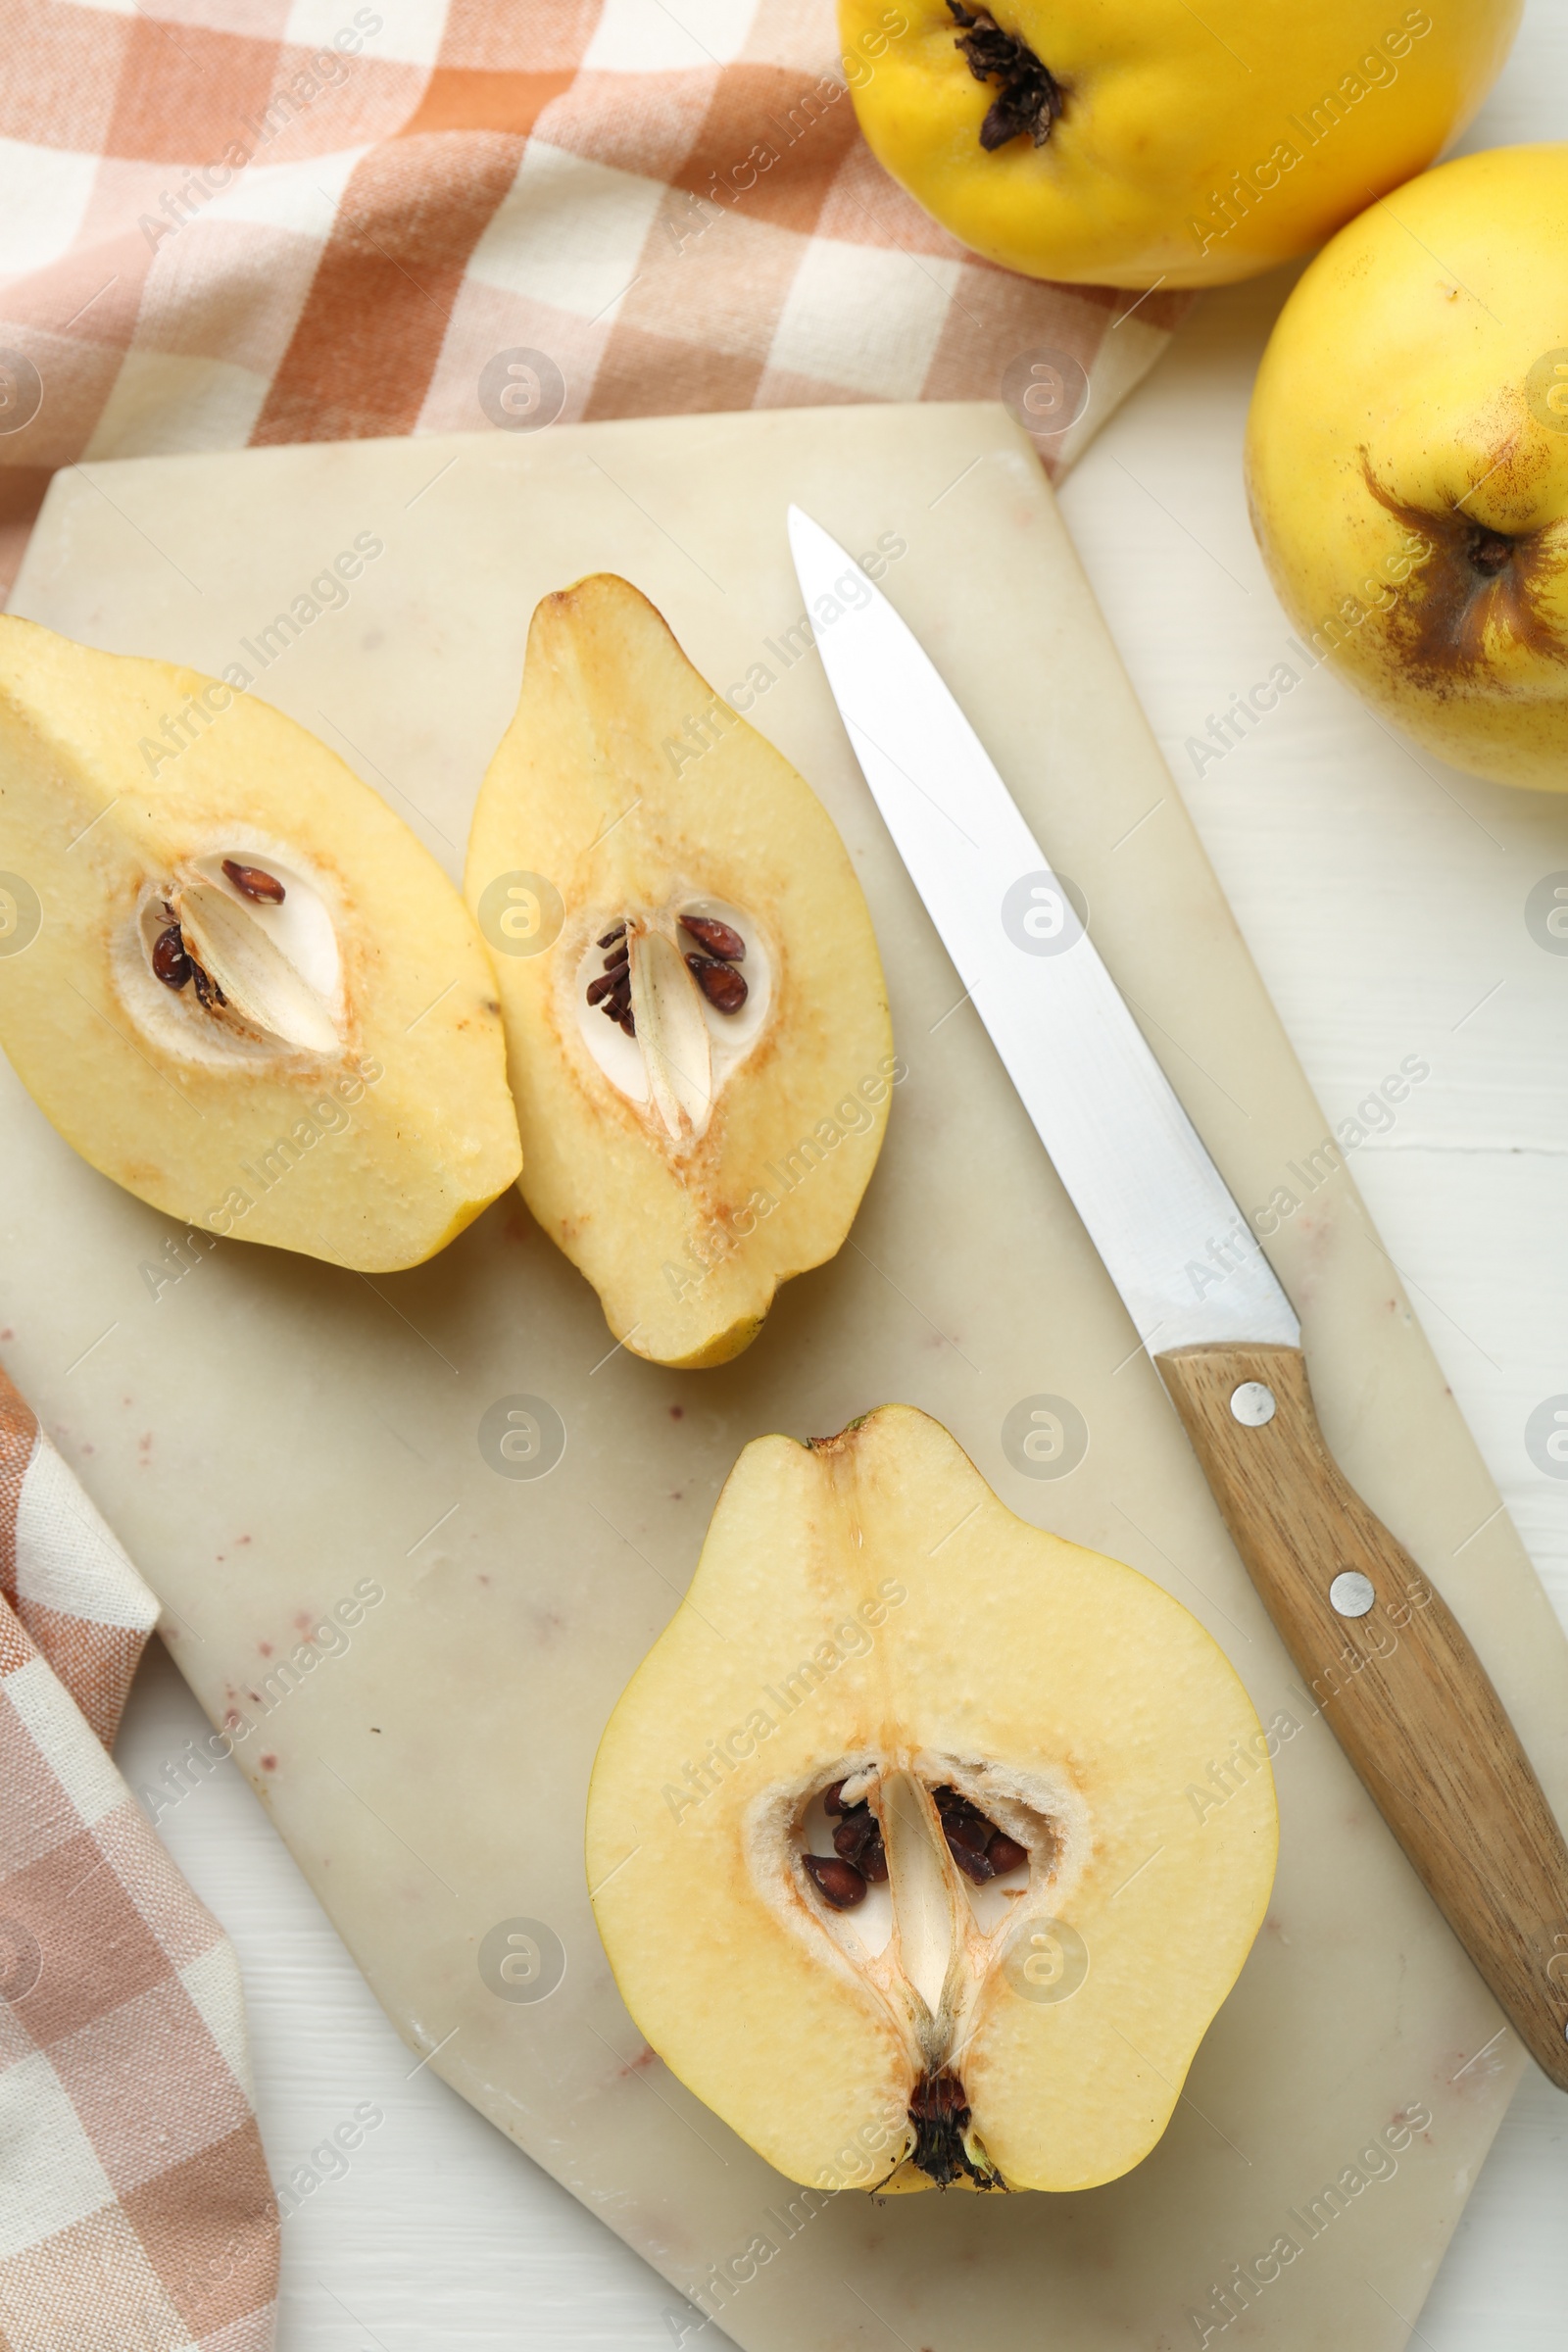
{"points": [[1251, 1404], [1352, 1594]]}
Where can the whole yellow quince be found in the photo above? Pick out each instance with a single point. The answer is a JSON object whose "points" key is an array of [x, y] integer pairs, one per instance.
{"points": [[1408, 461], [1144, 142]]}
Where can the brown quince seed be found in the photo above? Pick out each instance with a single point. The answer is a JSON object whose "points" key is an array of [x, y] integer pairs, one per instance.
{"points": [[617, 959], [974, 1866], [1005, 1853], [601, 987], [609, 938], [833, 1798], [255, 882], [720, 983], [209, 994], [855, 1833], [171, 963], [839, 1883], [873, 1860], [717, 937], [963, 1820]]}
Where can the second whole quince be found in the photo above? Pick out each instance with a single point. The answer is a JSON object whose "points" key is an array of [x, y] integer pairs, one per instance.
{"points": [[1408, 461], [1145, 143]]}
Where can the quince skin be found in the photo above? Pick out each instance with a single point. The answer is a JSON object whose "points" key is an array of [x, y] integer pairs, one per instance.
{"points": [[229, 975], [906, 1838], [1144, 142], [697, 1022], [1408, 461]]}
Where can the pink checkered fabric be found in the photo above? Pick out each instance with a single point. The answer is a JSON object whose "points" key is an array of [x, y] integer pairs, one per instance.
{"points": [[231, 222], [239, 221], [135, 2208]]}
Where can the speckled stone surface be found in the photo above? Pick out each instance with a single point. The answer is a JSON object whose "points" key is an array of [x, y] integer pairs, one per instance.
{"points": [[268, 1435]]}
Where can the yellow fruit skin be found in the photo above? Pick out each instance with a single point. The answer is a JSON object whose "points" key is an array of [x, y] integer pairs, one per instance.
{"points": [[1194, 146], [296, 1150], [1417, 354], [991, 1639], [685, 1252]]}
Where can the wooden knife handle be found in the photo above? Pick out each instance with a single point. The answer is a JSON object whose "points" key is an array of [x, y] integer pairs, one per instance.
{"points": [[1406, 1697]]}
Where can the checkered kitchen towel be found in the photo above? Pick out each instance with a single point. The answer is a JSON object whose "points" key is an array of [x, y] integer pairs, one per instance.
{"points": [[231, 222], [135, 2209], [254, 221]]}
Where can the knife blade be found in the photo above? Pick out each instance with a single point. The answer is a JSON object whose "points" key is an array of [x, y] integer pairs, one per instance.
{"points": [[1393, 1672]]}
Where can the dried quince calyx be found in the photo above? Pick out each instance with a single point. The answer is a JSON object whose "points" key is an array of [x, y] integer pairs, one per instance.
{"points": [[891, 1840], [699, 1052], [1029, 98]]}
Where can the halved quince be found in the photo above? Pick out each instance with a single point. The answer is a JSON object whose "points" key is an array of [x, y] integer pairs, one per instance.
{"points": [[905, 1839], [235, 980], [698, 1027]]}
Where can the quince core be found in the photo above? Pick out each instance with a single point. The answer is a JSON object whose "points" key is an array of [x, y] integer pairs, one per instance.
{"points": [[892, 1837], [243, 989], [699, 1045]]}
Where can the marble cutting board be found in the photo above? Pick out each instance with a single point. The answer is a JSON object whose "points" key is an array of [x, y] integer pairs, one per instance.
{"points": [[271, 1436]]}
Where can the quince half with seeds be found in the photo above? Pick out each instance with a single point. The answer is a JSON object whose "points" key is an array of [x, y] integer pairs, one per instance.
{"points": [[903, 1838], [229, 975], [697, 1021]]}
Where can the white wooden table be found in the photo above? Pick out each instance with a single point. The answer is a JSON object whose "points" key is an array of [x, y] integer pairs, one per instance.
{"points": [[1384, 898]]}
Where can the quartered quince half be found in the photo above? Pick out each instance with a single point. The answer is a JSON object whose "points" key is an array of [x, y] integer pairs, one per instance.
{"points": [[892, 1839], [229, 975], [697, 1021]]}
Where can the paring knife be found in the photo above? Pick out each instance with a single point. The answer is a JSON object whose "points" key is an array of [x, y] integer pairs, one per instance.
{"points": [[1405, 1694]]}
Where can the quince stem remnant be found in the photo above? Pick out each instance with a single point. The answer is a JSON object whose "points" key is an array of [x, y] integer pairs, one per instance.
{"points": [[1030, 97]]}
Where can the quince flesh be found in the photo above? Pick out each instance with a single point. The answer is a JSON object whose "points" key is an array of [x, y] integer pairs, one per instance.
{"points": [[1007, 1731], [701, 1107], [229, 975], [1144, 142], [1408, 461]]}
